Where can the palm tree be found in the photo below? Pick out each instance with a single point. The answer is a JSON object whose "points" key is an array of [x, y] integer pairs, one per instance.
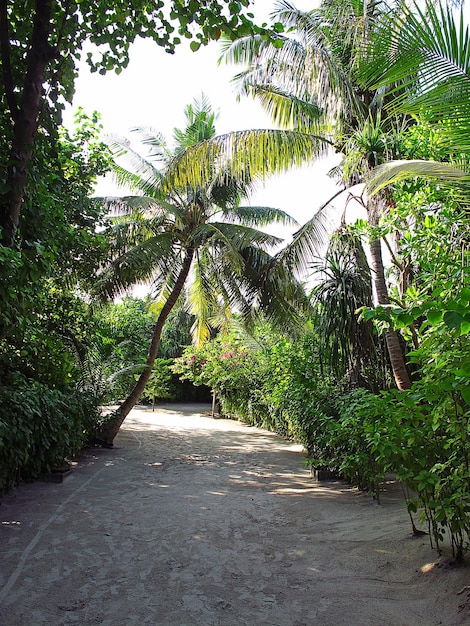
{"points": [[194, 235], [425, 49], [307, 81]]}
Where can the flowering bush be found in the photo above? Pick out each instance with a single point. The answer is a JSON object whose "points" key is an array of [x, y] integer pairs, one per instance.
{"points": [[223, 365]]}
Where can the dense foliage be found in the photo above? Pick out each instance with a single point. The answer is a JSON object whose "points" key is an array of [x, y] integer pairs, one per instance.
{"points": [[116, 355], [40, 427], [44, 324], [328, 383]]}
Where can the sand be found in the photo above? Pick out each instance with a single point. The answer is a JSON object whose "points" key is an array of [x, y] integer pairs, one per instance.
{"points": [[195, 521]]}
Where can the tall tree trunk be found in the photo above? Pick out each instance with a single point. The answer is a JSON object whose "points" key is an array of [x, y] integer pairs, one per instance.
{"points": [[24, 112], [397, 360], [112, 426]]}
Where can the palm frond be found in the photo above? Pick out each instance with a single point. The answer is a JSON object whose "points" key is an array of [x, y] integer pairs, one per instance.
{"points": [[280, 297], [259, 216], [201, 299], [221, 242], [130, 369], [132, 170], [245, 154], [395, 171], [159, 150], [248, 50], [200, 119], [129, 205], [225, 287], [226, 191], [424, 55], [288, 110], [138, 262], [224, 235], [311, 60], [125, 232], [309, 241]]}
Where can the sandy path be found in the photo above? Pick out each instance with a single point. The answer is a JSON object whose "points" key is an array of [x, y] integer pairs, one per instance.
{"points": [[191, 521]]}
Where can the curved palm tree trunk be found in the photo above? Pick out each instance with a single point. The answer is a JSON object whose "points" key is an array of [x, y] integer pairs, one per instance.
{"points": [[397, 360], [112, 426]]}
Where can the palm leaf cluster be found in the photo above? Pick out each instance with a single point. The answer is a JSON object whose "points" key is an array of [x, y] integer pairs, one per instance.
{"points": [[153, 231], [420, 54]]}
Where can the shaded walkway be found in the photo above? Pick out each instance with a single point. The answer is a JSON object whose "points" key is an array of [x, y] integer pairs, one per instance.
{"points": [[194, 521]]}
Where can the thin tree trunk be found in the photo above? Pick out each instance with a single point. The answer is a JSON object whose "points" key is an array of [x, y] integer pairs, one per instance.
{"points": [[24, 113], [112, 426], [214, 396], [397, 360]]}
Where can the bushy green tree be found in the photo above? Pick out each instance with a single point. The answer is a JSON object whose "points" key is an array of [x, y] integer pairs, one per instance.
{"points": [[60, 242], [40, 45]]}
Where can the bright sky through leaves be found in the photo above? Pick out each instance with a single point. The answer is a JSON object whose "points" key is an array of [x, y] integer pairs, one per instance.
{"points": [[156, 87]]}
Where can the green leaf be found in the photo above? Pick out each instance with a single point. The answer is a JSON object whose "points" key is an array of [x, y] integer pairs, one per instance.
{"points": [[405, 319], [434, 316], [465, 392], [368, 314], [465, 327], [465, 295], [452, 319]]}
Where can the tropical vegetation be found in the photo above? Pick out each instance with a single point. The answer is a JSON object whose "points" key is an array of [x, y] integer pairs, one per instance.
{"points": [[196, 236], [354, 343], [51, 241], [385, 82]]}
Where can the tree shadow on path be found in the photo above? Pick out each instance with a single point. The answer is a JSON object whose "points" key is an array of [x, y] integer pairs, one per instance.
{"points": [[193, 520]]}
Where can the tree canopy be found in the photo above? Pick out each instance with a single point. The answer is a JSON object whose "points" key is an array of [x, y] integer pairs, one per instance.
{"points": [[41, 42]]}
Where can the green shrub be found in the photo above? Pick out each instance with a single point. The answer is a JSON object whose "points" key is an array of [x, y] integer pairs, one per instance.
{"points": [[40, 427], [421, 435]]}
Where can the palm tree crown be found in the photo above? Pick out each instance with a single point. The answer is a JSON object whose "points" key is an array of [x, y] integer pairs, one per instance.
{"points": [[310, 82]]}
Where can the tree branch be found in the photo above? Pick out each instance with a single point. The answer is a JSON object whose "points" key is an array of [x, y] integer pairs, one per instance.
{"points": [[6, 61], [26, 121]]}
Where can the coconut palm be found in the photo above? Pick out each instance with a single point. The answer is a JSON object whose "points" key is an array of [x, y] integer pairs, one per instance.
{"points": [[193, 235], [425, 49], [306, 80]]}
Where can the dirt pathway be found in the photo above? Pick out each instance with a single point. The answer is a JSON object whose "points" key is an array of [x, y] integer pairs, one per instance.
{"points": [[191, 521]]}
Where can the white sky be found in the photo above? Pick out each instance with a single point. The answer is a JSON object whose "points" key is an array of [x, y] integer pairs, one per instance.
{"points": [[154, 90]]}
